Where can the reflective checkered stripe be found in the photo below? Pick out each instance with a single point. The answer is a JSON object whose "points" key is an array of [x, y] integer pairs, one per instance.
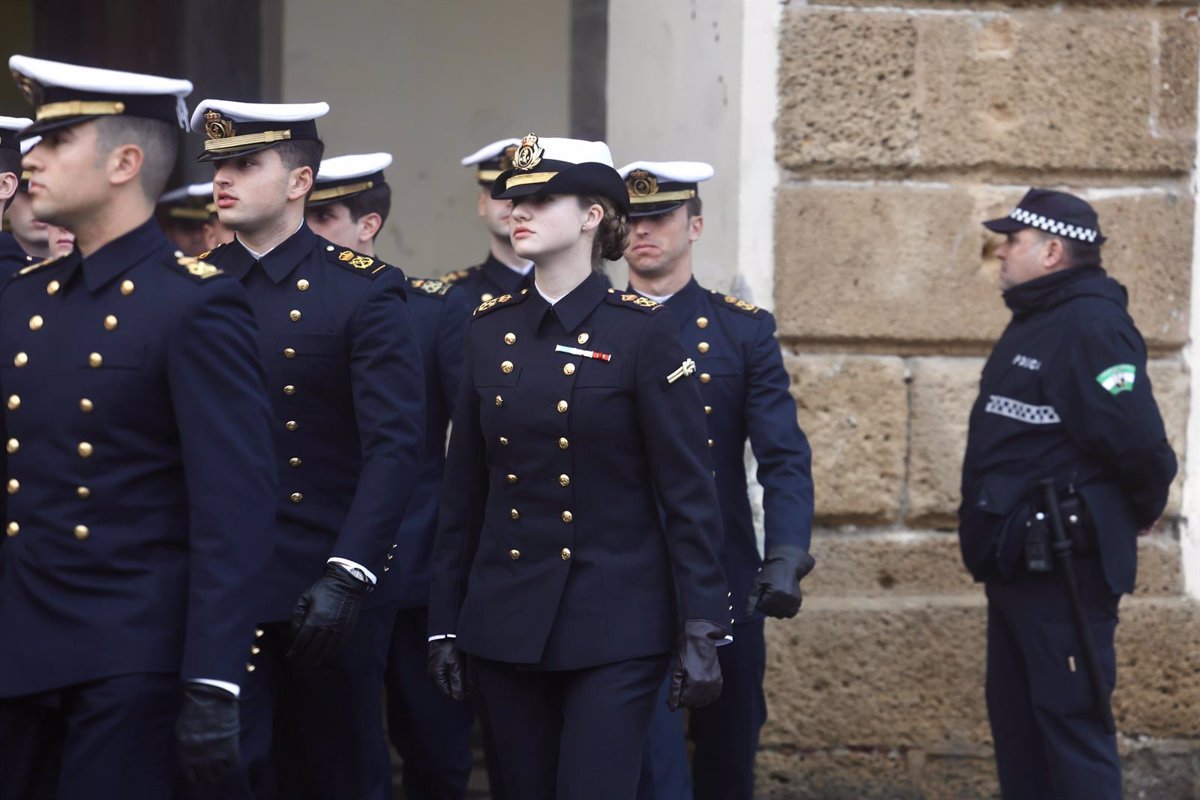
{"points": [[1021, 412], [1053, 226]]}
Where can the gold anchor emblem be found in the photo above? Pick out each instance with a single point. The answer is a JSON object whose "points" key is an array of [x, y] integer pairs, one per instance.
{"points": [[216, 126], [641, 183], [528, 155]]}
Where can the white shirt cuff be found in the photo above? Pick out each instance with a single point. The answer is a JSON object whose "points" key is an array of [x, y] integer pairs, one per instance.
{"points": [[443, 636], [345, 562], [232, 688]]}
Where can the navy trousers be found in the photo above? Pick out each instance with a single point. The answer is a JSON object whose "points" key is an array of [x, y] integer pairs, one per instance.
{"points": [[1049, 742], [574, 734], [430, 732], [317, 734], [724, 733], [110, 739]]}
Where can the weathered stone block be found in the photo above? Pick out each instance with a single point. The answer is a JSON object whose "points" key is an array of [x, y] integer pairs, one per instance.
{"points": [[854, 410], [839, 774], [959, 776], [1172, 391], [1154, 769], [943, 390]]}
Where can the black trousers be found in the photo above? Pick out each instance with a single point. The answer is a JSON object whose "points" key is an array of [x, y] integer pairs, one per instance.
{"points": [[1049, 742], [574, 734]]}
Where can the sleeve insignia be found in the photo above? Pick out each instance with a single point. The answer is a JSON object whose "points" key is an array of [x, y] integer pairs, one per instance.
{"points": [[204, 255], [430, 286], [737, 304], [497, 302], [355, 260], [457, 275], [201, 269], [38, 265], [632, 301], [1117, 378]]}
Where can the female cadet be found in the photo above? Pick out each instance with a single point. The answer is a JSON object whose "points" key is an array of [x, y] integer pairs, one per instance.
{"points": [[579, 522]]}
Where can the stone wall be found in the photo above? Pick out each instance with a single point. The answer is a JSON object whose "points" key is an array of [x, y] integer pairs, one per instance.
{"points": [[901, 127]]}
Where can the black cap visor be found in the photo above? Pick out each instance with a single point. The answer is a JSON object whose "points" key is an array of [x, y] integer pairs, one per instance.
{"points": [[563, 177]]}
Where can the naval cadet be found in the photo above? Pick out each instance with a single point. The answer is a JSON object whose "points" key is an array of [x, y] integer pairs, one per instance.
{"points": [[1067, 460], [579, 528], [503, 271], [139, 496], [183, 213], [13, 255], [745, 390], [344, 373], [431, 733]]}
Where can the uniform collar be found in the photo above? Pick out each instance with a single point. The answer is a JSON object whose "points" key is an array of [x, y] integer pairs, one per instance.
{"points": [[121, 254], [508, 279], [278, 263], [573, 309], [11, 249], [686, 302]]}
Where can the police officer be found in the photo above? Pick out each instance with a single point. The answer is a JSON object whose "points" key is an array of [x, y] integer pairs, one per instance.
{"points": [[503, 271], [183, 212], [12, 255], [745, 391], [1065, 429], [344, 372], [430, 732], [139, 498], [578, 415]]}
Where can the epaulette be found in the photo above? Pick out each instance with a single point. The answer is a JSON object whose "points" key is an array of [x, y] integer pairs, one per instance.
{"points": [[503, 300], [197, 267], [458, 275], [355, 262], [631, 300], [437, 288], [37, 266], [735, 304]]}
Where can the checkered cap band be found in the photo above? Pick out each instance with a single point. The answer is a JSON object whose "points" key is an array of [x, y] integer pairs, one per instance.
{"points": [[1054, 226]]}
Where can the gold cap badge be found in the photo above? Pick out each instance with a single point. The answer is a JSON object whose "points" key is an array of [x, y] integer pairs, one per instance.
{"points": [[216, 126], [528, 155], [641, 183]]}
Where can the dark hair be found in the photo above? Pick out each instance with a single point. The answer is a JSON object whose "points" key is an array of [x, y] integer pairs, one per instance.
{"points": [[10, 161], [157, 139], [612, 234], [376, 200], [1077, 253], [296, 153], [695, 206]]}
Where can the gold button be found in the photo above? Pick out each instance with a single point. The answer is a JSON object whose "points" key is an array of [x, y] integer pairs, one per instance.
{"points": [[512, 478], [710, 442], [506, 367], [390, 556], [568, 369], [258, 633], [708, 409], [83, 492], [702, 322], [289, 390], [564, 480], [514, 554], [14, 402], [86, 405], [582, 338], [255, 649], [13, 529], [294, 315], [20, 359], [499, 401], [705, 377], [85, 449], [510, 338], [566, 554], [296, 497], [110, 323], [81, 532], [563, 444], [567, 516], [95, 360], [294, 462], [504, 441], [291, 425], [52, 287], [702, 347], [515, 514], [250, 668], [127, 288], [562, 406], [289, 352], [36, 322], [303, 284], [486, 296], [12, 446], [14, 486]]}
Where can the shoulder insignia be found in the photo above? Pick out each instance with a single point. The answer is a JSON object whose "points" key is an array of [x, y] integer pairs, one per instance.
{"points": [[198, 268], [629, 300], [735, 304], [204, 255], [458, 275], [356, 262], [430, 286], [38, 265], [497, 302]]}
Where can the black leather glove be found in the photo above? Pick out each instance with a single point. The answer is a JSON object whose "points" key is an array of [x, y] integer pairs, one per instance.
{"points": [[207, 733], [325, 615], [448, 667], [776, 588], [695, 671]]}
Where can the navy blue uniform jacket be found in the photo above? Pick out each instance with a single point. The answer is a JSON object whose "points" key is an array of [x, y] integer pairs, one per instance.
{"points": [[139, 503], [551, 550], [745, 388], [12, 257], [488, 280], [344, 376], [1064, 395]]}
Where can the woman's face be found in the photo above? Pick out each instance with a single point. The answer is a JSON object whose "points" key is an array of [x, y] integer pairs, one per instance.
{"points": [[547, 224]]}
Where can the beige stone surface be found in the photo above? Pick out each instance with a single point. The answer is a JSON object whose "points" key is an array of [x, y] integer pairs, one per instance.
{"points": [[839, 774], [1171, 389], [959, 776], [943, 390], [854, 410]]}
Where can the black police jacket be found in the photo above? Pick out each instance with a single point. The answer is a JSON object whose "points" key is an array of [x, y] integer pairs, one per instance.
{"points": [[1064, 395]]}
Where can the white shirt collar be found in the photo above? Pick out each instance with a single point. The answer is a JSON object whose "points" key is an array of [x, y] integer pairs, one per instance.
{"points": [[260, 256]]}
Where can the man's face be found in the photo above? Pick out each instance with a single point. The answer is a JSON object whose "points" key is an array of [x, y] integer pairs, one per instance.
{"points": [[660, 242], [1023, 257], [28, 229], [333, 221], [69, 181], [188, 237], [251, 191], [494, 214]]}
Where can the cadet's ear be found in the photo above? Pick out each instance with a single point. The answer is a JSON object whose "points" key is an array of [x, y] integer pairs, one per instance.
{"points": [[8, 185], [125, 164], [368, 226], [695, 227], [301, 183]]}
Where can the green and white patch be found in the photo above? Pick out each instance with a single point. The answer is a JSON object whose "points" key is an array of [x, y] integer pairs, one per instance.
{"points": [[1118, 378]]}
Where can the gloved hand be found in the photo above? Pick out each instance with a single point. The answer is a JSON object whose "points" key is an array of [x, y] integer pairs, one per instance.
{"points": [[207, 733], [776, 588], [448, 668], [695, 671], [325, 615]]}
